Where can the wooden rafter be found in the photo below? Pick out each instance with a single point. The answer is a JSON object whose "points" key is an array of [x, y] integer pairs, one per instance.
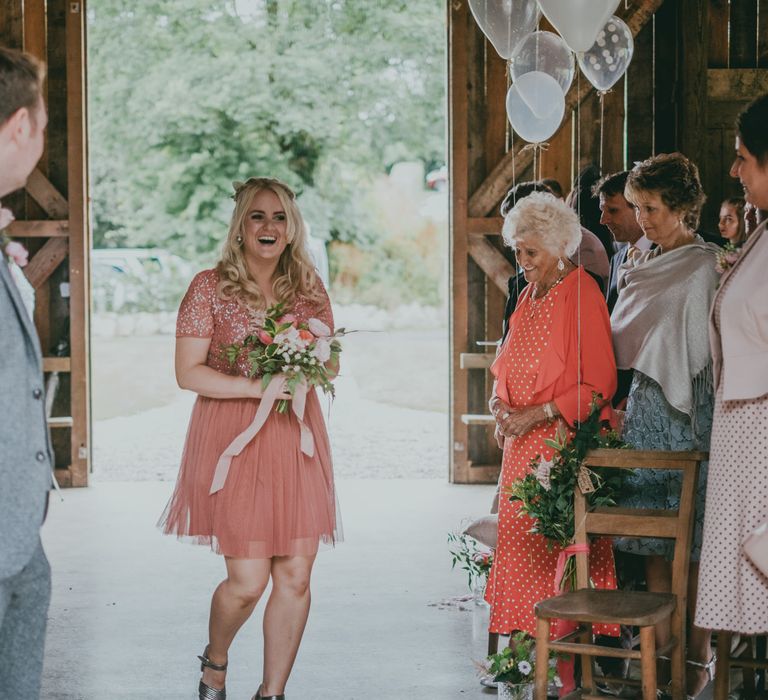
{"points": [[47, 196], [495, 185], [46, 260], [491, 261], [39, 229]]}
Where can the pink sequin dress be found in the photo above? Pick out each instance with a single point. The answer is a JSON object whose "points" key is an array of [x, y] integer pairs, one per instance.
{"points": [[276, 501]]}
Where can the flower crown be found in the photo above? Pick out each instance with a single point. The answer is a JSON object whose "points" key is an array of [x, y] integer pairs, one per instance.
{"points": [[262, 182]]}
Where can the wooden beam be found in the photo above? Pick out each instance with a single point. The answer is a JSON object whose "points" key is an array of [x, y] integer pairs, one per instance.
{"points": [[77, 188], [56, 364], [459, 21], [47, 196], [491, 261], [39, 229], [692, 125], [495, 185], [45, 261], [743, 34], [718, 33], [736, 84], [486, 225], [476, 360]]}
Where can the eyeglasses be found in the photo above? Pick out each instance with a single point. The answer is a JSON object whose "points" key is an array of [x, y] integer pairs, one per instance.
{"points": [[261, 182]]}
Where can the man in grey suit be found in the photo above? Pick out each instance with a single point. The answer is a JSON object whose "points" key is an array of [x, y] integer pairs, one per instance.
{"points": [[25, 448]]}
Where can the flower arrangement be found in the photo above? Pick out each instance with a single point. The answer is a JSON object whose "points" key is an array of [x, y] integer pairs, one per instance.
{"points": [[726, 257], [305, 353], [545, 494], [471, 556], [13, 250], [516, 663]]}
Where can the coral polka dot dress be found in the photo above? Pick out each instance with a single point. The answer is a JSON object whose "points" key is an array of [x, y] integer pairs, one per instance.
{"points": [[538, 362]]}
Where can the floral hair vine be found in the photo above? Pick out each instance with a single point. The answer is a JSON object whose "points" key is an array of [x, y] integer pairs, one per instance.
{"points": [[239, 186], [12, 250]]}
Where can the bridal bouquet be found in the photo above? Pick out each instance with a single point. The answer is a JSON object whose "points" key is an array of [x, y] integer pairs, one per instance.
{"points": [[305, 353]]}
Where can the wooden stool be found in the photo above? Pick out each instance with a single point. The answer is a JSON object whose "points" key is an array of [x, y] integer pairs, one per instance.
{"points": [[745, 656]]}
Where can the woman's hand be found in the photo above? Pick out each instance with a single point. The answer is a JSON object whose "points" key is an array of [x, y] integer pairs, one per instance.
{"points": [[521, 420], [257, 389], [499, 437]]}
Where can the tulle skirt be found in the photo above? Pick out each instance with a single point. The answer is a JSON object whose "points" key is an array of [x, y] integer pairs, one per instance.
{"points": [[276, 500]]}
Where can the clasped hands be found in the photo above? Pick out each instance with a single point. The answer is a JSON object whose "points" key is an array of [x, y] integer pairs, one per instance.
{"points": [[514, 422]]}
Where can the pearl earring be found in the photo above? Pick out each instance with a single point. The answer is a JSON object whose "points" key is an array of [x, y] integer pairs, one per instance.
{"points": [[560, 264], [239, 240]]}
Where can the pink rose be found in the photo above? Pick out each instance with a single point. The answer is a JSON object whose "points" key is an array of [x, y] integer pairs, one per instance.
{"points": [[6, 217], [731, 257], [265, 337], [318, 328], [18, 253], [287, 318]]}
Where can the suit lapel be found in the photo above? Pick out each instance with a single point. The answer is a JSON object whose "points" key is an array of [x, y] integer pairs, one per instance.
{"points": [[21, 311]]}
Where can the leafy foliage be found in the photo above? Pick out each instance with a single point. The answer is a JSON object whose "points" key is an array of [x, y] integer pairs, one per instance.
{"points": [[548, 499], [470, 556], [188, 95], [515, 663]]}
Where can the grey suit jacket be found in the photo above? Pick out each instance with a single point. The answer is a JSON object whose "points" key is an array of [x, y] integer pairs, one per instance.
{"points": [[25, 446]]}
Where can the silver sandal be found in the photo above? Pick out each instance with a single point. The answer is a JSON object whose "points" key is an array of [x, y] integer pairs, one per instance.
{"points": [[205, 692], [709, 667], [259, 696]]}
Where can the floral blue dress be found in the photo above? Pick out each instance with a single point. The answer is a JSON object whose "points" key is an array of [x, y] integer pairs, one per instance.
{"points": [[650, 423]]}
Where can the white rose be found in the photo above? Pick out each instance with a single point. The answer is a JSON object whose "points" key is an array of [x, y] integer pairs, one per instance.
{"points": [[322, 350]]}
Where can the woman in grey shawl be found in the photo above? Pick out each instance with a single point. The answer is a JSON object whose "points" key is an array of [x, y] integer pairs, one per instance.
{"points": [[659, 327]]}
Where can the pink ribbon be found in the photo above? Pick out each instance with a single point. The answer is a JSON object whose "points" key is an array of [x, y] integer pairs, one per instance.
{"points": [[565, 554], [298, 404]]}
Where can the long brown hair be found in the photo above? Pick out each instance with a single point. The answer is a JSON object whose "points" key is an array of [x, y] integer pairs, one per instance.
{"points": [[295, 274]]}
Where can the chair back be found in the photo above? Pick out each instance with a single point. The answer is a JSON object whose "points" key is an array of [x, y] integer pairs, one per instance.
{"points": [[642, 522]]}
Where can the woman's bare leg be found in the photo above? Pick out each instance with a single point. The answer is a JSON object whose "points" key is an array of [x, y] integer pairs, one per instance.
{"points": [[284, 619], [232, 604]]}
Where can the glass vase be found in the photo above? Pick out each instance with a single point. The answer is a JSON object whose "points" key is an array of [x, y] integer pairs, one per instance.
{"points": [[515, 691]]}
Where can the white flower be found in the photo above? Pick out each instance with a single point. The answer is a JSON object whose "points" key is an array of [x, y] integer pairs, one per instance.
{"points": [[524, 667], [6, 217], [322, 350], [542, 472], [318, 328]]}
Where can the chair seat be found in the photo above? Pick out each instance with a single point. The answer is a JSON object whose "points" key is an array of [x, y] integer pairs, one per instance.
{"points": [[615, 607]]}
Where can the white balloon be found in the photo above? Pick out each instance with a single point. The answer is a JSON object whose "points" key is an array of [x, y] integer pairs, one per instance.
{"points": [[539, 90], [505, 22], [578, 21], [609, 56], [545, 52]]}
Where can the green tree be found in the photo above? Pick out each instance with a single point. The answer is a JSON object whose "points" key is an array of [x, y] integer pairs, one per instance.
{"points": [[187, 95]]}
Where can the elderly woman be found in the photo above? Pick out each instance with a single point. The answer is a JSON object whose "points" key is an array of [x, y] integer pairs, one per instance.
{"points": [[556, 354], [659, 331], [733, 593], [268, 513]]}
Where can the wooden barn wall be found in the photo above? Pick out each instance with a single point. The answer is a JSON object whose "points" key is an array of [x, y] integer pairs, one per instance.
{"points": [[696, 63], [51, 221]]}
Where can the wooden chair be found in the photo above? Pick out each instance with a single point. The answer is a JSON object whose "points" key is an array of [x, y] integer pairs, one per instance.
{"points": [[636, 608], [746, 656]]}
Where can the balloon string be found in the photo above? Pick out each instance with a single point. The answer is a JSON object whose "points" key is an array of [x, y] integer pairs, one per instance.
{"points": [[601, 96]]}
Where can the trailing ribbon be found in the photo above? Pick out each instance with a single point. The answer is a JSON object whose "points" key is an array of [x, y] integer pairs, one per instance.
{"points": [[565, 554], [298, 404]]}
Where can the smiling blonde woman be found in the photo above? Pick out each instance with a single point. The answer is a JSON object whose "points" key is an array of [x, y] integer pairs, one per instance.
{"points": [[277, 503]]}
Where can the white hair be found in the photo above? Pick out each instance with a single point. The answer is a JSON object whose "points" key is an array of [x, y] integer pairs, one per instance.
{"points": [[543, 216]]}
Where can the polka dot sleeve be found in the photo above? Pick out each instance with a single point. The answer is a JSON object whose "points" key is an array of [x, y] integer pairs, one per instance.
{"points": [[195, 318]]}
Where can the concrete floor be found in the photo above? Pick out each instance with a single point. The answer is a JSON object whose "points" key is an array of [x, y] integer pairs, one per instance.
{"points": [[129, 609]]}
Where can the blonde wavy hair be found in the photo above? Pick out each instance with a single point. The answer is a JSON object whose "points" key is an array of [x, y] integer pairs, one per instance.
{"points": [[295, 274]]}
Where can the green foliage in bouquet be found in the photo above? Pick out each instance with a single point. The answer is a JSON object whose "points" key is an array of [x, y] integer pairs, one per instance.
{"points": [[277, 344], [467, 553], [546, 492]]}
